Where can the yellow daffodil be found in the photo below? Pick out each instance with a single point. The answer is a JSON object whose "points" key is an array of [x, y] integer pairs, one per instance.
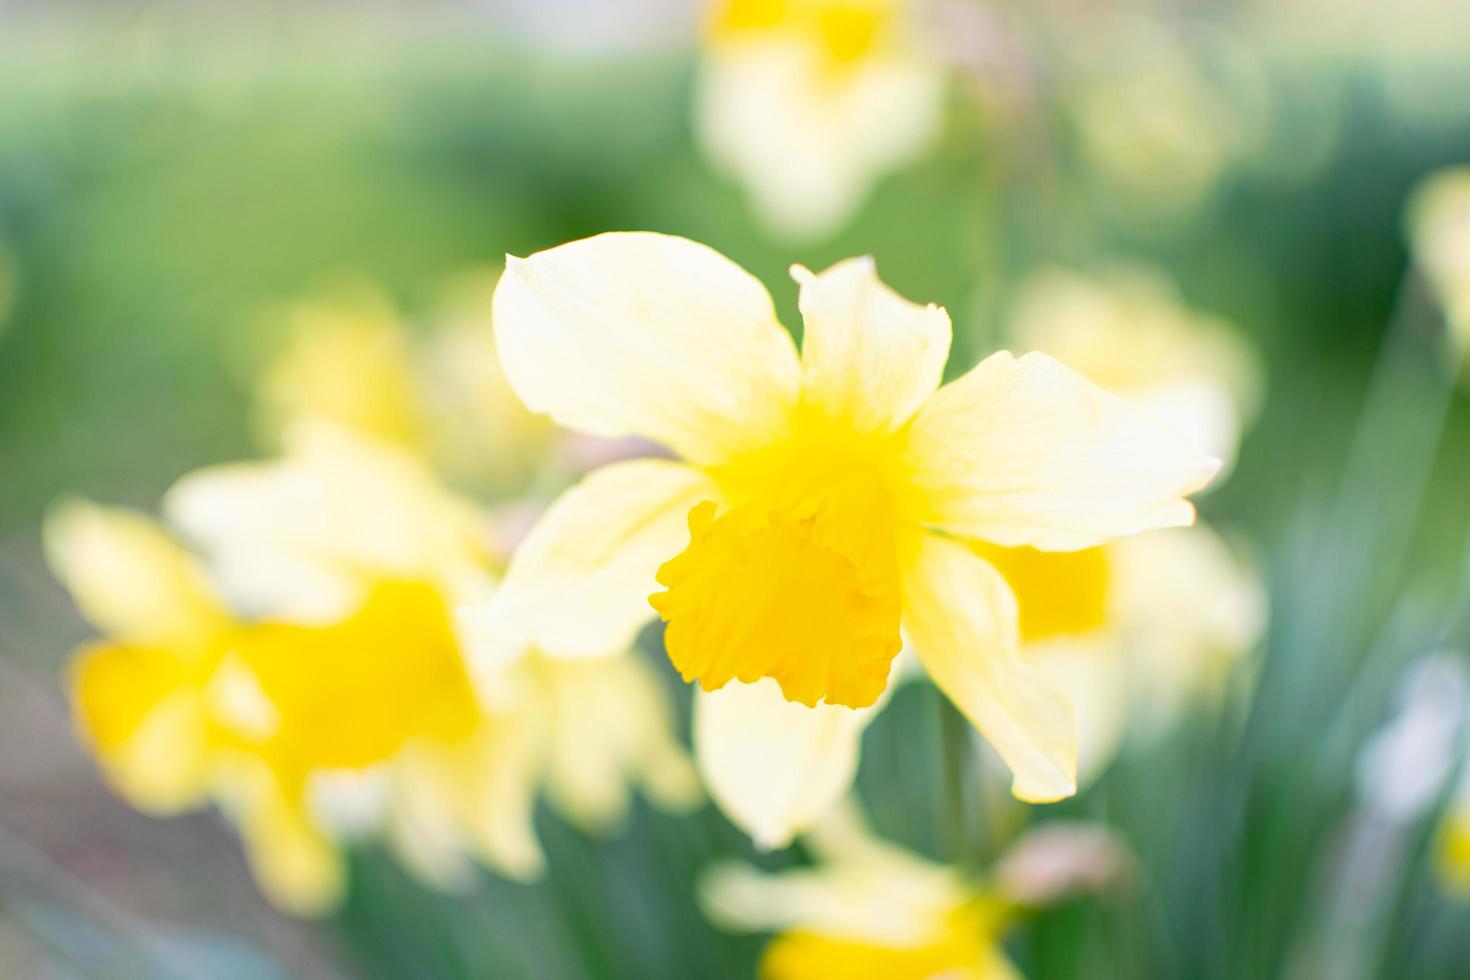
{"points": [[1130, 331], [288, 725], [807, 102], [824, 505], [867, 909], [1439, 229], [1454, 844], [341, 519]]}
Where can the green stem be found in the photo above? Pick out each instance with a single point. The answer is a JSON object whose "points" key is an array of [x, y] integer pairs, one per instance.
{"points": [[954, 735]]}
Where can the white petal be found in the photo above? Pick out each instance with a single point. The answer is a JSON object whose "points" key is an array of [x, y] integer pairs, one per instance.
{"points": [[869, 357], [960, 616], [1027, 451], [642, 334], [772, 765], [131, 579], [579, 583]]}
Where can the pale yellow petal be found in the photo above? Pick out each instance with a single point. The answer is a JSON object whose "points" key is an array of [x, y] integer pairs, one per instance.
{"points": [[298, 867], [1191, 611], [774, 766], [897, 905], [579, 583], [1129, 330], [131, 579], [300, 536], [643, 334], [139, 713], [499, 798], [611, 727], [961, 618], [474, 798], [869, 357], [1026, 451]]}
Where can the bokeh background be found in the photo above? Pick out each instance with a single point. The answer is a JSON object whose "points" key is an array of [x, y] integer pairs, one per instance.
{"points": [[168, 171]]}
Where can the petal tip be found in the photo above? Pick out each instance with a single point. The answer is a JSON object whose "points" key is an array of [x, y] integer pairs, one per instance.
{"points": [[1032, 790], [1206, 469]]}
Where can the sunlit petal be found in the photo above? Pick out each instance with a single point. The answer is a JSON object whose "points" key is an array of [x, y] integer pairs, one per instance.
{"points": [[869, 357], [774, 766], [961, 618], [644, 334], [1026, 451], [579, 583], [131, 579]]}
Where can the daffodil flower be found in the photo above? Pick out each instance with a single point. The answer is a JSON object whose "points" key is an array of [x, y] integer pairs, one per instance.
{"points": [[160, 702], [823, 506], [1439, 230], [1454, 844], [141, 694], [340, 521], [867, 909], [808, 102]]}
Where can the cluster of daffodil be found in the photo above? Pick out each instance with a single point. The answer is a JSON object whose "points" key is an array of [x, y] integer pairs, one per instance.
{"points": [[306, 669], [807, 103], [342, 657]]}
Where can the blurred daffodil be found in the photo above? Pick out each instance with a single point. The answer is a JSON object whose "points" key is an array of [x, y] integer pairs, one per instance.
{"points": [[287, 725], [1136, 629], [823, 505], [350, 360], [807, 102], [866, 909], [345, 360], [141, 693], [1154, 126], [1439, 228], [1454, 843], [341, 520]]}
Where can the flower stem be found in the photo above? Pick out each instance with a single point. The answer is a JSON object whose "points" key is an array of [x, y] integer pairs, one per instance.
{"points": [[954, 735]]}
